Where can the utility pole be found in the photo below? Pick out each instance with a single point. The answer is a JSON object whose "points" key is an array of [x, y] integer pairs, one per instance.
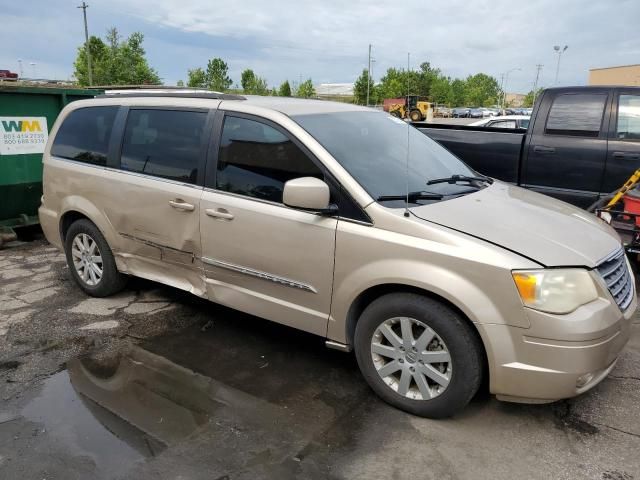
{"points": [[559, 51], [369, 75], [535, 84], [84, 7]]}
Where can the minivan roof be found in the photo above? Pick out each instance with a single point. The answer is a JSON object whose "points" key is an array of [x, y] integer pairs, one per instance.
{"points": [[286, 105]]}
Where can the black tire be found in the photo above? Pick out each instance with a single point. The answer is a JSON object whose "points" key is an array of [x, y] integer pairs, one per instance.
{"points": [[395, 113], [111, 281], [415, 116], [464, 347]]}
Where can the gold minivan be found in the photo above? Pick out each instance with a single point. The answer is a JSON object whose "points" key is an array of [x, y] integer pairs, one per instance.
{"points": [[347, 223]]}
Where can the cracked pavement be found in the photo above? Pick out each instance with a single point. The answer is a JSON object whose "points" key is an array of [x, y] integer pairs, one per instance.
{"points": [[156, 384]]}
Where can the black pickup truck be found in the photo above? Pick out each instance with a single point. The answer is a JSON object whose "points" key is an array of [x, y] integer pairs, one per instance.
{"points": [[582, 143]]}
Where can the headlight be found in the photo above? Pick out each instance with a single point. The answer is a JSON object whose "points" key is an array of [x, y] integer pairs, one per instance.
{"points": [[555, 290]]}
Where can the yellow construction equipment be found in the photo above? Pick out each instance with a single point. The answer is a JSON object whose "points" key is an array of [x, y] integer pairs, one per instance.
{"points": [[628, 185], [417, 111]]}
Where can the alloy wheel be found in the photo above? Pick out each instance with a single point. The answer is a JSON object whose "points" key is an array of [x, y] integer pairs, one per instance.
{"points": [[87, 259], [411, 358]]}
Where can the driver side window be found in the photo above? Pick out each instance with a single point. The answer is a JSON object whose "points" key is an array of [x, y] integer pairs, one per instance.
{"points": [[256, 160]]}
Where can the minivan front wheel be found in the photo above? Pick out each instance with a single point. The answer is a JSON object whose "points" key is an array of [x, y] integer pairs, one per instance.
{"points": [[418, 354], [90, 260]]}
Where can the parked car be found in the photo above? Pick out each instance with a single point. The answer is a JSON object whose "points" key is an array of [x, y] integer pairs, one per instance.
{"points": [[476, 113], [488, 112], [582, 143], [8, 75], [460, 112], [506, 121], [298, 211]]}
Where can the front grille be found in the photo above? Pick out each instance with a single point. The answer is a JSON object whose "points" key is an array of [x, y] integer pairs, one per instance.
{"points": [[615, 273]]}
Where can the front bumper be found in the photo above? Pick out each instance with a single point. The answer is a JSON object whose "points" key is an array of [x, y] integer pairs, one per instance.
{"points": [[559, 356]]}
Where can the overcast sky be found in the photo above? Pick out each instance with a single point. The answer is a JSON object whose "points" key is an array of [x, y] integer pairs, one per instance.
{"points": [[327, 40]]}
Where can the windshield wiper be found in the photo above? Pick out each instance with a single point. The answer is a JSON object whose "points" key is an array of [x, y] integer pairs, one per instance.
{"points": [[459, 178], [411, 196]]}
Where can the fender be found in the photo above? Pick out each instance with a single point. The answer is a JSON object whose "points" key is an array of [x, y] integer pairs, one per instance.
{"points": [[455, 287], [75, 203]]}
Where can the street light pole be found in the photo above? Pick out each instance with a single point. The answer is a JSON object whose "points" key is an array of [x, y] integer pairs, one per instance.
{"points": [[559, 51], [369, 75], [84, 7]]}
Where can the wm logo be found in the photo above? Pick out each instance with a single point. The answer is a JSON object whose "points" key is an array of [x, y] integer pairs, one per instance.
{"points": [[21, 126]]}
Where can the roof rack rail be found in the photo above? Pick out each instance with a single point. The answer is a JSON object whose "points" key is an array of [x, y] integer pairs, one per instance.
{"points": [[209, 95]]}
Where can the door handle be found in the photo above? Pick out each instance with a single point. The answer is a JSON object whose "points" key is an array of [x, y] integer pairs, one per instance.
{"points": [[627, 156], [182, 205], [220, 213], [544, 150]]}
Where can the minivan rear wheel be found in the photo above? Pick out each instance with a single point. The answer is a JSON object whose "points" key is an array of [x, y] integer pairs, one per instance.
{"points": [[418, 354], [91, 261]]}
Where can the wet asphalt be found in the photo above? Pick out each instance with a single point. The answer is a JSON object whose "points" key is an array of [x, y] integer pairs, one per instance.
{"points": [[157, 384]]}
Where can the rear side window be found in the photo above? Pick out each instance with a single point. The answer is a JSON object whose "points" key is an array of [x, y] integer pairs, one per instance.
{"points": [[256, 160], [576, 114], [164, 143], [84, 135], [628, 126]]}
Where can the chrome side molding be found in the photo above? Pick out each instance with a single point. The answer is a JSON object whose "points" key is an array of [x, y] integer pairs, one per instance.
{"points": [[257, 273]]}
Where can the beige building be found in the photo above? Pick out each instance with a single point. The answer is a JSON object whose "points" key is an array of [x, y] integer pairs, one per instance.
{"points": [[626, 75]]}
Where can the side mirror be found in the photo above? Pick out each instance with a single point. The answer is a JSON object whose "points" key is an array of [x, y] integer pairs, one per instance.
{"points": [[308, 193]]}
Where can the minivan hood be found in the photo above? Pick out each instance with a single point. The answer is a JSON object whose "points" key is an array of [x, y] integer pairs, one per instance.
{"points": [[548, 231]]}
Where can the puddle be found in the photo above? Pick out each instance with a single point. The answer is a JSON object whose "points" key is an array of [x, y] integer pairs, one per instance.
{"points": [[118, 411], [238, 397], [86, 428]]}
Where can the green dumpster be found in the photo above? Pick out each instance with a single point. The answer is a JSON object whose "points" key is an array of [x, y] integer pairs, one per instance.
{"points": [[27, 114]]}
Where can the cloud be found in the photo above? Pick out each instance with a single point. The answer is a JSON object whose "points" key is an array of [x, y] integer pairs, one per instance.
{"points": [[328, 40]]}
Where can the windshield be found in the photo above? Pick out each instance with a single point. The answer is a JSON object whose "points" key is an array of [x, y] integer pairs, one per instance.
{"points": [[372, 147]]}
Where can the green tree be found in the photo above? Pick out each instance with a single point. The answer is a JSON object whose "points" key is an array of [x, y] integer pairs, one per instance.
{"points": [[197, 78], [180, 83], [273, 92], [393, 84], [457, 96], [261, 87], [285, 89], [116, 61], [247, 80], [253, 84], [217, 77], [306, 90], [360, 89], [530, 97], [441, 90], [481, 90], [422, 81]]}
